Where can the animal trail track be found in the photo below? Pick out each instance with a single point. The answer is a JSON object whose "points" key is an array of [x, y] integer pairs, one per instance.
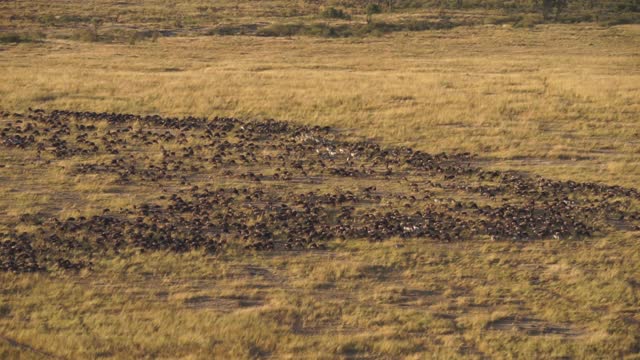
{"points": [[271, 185]]}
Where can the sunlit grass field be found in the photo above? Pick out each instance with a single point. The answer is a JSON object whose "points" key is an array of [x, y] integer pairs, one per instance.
{"points": [[558, 100]]}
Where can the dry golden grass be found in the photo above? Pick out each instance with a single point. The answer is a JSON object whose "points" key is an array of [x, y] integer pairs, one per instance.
{"points": [[549, 95], [449, 300], [559, 100]]}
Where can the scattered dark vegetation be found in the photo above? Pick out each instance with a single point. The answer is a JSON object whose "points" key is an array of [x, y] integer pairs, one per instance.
{"points": [[333, 13], [226, 30], [516, 13], [360, 19], [16, 38], [519, 11], [279, 187], [116, 36], [58, 20], [371, 10], [507, 5], [375, 28], [5, 310]]}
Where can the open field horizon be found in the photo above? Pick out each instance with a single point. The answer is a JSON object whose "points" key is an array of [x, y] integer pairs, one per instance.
{"points": [[556, 103]]}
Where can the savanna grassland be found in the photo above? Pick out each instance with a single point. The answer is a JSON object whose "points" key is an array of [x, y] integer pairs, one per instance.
{"points": [[474, 268]]}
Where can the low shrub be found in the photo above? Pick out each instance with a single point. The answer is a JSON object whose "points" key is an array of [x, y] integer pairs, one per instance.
{"points": [[227, 30], [500, 20], [333, 13], [280, 30], [16, 38], [116, 36], [529, 21], [374, 28], [619, 19], [87, 35], [324, 30], [373, 9]]}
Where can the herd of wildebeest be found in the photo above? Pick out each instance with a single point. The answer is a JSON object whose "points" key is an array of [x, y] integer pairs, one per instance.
{"points": [[221, 183]]}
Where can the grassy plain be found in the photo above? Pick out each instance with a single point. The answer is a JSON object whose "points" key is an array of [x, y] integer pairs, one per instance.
{"points": [[557, 100]]}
